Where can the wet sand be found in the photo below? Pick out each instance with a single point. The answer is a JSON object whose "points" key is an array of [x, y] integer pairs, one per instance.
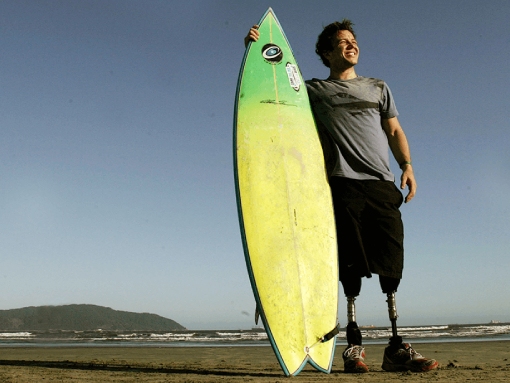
{"points": [[459, 362]]}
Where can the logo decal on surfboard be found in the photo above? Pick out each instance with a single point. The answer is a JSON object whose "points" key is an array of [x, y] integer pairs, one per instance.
{"points": [[294, 79], [272, 53]]}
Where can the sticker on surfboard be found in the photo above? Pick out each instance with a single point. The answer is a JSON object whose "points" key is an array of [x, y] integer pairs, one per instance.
{"points": [[294, 78], [272, 53]]}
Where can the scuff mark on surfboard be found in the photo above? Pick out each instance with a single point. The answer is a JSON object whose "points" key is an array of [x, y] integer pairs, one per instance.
{"points": [[295, 153]]}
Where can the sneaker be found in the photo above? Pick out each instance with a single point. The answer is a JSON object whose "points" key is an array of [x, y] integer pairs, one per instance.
{"points": [[354, 357], [405, 358]]}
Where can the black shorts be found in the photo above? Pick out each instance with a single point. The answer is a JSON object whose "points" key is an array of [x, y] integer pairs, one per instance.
{"points": [[369, 227]]}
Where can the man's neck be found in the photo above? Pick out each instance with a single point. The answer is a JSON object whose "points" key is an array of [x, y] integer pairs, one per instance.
{"points": [[342, 74]]}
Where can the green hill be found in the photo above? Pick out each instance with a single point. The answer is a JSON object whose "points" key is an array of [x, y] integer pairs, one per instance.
{"points": [[82, 318]]}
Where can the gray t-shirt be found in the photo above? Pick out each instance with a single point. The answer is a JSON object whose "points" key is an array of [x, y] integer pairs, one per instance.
{"points": [[348, 114]]}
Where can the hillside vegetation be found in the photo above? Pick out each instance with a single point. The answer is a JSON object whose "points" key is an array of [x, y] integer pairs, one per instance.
{"points": [[82, 318]]}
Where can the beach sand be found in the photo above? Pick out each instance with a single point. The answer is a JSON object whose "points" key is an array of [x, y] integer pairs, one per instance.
{"points": [[459, 362]]}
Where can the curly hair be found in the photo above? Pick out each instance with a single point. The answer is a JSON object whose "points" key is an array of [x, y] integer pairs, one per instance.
{"points": [[326, 38]]}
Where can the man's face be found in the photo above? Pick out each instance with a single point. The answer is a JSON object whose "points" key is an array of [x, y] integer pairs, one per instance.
{"points": [[345, 51]]}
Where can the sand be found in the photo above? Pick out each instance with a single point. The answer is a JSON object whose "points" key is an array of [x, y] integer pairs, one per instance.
{"points": [[459, 362]]}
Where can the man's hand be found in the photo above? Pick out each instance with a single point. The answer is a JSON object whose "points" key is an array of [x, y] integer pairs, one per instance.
{"points": [[408, 179], [253, 35]]}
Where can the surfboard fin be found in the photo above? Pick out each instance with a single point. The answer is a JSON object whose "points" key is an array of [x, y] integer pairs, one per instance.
{"points": [[330, 335]]}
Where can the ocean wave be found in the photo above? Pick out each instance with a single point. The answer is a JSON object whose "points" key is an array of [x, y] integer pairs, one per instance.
{"points": [[16, 335], [244, 337], [423, 328]]}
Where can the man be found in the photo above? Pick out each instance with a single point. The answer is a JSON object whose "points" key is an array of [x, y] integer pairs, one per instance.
{"points": [[357, 119]]}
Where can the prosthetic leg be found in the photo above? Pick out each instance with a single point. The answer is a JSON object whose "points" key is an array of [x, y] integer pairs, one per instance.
{"points": [[353, 332], [352, 288], [389, 287]]}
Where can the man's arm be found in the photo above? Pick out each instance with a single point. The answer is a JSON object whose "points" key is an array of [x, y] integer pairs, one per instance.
{"points": [[400, 149]]}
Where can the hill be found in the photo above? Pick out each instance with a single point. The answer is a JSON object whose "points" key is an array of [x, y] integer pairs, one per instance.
{"points": [[82, 318]]}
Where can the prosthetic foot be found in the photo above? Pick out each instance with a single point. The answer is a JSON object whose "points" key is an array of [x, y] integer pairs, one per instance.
{"points": [[354, 354], [400, 356]]}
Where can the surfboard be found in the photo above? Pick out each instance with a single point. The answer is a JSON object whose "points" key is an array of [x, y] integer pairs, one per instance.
{"points": [[284, 204]]}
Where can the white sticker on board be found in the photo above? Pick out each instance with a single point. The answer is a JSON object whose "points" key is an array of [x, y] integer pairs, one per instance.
{"points": [[294, 78]]}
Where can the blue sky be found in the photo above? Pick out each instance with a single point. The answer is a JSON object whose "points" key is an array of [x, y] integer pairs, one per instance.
{"points": [[116, 179]]}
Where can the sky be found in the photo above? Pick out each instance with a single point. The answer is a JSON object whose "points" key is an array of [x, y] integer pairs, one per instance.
{"points": [[116, 163]]}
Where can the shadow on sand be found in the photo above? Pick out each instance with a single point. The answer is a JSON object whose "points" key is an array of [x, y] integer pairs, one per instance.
{"points": [[98, 366]]}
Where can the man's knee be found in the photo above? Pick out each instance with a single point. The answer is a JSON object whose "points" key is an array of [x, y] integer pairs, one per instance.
{"points": [[351, 285], [388, 284]]}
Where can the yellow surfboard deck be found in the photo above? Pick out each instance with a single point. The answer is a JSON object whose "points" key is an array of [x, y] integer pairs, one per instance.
{"points": [[284, 204]]}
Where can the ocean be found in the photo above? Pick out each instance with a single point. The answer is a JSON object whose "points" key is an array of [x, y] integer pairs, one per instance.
{"points": [[253, 337]]}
